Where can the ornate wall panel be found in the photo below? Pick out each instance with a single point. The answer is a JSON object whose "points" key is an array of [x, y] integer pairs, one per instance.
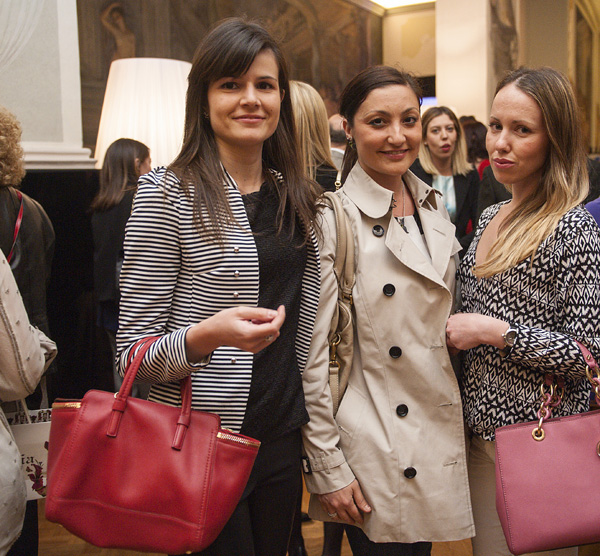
{"points": [[326, 43]]}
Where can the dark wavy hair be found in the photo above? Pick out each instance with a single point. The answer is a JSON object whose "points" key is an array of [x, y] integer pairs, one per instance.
{"points": [[229, 50]]}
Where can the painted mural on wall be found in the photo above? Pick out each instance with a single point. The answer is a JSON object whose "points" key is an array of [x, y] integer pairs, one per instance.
{"points": [[504, 36], [325, 43]]}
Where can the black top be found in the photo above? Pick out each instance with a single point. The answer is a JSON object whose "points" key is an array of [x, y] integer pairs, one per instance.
{"points": [[326, 176], [276, 401], [466, 189], [108, 228]]}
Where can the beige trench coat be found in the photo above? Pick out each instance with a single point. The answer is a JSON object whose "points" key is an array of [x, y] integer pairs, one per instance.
{"points": [[399, 428]]}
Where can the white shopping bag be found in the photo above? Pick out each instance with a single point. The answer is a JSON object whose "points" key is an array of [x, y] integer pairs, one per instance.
{"points": [[31, 430]]}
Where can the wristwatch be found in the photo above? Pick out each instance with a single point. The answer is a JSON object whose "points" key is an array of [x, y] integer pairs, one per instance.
{"points": [[509, 338]]}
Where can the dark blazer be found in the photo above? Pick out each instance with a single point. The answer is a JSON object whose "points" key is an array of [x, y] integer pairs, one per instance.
{"points": [[467, 190], [491, 191], [34, 250]]}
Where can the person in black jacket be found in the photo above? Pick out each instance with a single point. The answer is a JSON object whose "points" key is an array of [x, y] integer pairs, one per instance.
{"points": [[124, 162], [443, 164]]}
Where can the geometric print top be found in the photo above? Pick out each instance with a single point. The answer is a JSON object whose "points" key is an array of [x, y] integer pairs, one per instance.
{"points": [[550, 303]]}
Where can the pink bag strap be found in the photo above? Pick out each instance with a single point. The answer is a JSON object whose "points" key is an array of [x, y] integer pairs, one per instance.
{"points": [[136, 355]]}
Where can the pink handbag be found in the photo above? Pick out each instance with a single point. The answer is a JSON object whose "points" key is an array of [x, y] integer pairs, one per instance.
{"points": [[548, 475]]}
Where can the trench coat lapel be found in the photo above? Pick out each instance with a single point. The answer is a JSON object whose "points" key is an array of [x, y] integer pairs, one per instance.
{"points": [[375, 201]]}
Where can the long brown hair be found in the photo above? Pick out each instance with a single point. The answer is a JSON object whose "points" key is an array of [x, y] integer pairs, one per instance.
{"points": [[564, 182], [228, 51], [356, 92], [119, 172]]}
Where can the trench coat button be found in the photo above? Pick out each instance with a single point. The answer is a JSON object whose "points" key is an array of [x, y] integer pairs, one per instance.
{"points": [[378, 230], [389, 290], [395, 352], [402, 410], [410, 472]]}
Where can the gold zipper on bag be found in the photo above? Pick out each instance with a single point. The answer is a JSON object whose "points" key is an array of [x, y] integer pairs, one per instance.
{"points": [[63, 405], [234, 438]]}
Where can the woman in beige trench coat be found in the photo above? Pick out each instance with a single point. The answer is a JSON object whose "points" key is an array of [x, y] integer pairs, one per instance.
{"points": [[391, 463]]}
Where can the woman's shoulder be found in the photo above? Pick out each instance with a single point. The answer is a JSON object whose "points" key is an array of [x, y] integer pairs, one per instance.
{"points": [[160, 183], [579, 224], [576, 236]]}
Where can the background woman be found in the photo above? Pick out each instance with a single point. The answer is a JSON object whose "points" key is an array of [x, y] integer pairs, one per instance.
{"points": [[443, 164], [530, 280], [31, 263], [221, 263], [25, 352], [391, 464], [312, 128], [125, 161]]}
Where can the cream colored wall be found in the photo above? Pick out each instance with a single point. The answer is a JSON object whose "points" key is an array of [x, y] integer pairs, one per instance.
{"points": [[463, 56], [42, 88], [409, 41]]}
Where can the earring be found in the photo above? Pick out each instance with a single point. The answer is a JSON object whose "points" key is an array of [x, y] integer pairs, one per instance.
{"points": [[351, 142], [205, 115]]}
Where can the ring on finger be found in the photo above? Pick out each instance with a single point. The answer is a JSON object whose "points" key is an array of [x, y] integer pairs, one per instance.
{"points": [[334, 514], [269, 338]]}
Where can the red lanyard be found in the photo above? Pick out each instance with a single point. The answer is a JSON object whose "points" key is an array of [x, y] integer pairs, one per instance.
{"points": [[17, 226]]}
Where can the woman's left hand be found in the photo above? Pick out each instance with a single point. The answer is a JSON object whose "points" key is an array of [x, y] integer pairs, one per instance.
{"points": [[468, 330]]}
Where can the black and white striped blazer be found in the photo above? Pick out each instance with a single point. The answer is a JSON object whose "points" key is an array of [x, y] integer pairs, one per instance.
{"points": [[174, 276]]}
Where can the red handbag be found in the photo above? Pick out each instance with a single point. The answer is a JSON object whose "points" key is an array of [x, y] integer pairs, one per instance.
{"points": [[546, 473], [133, 474]]}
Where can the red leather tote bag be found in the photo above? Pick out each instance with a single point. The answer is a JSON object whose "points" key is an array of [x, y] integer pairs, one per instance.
{"points": [[138, 475]]}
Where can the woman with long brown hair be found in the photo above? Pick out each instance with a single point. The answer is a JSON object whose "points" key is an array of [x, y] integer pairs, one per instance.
{"points": [[221, 264]]}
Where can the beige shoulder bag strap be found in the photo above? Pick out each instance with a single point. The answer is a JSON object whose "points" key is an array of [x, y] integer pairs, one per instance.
{"points": [[341, 331]]}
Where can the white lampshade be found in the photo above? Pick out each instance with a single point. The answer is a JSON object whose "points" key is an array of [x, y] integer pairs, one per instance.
{"points": [[145, 101]]}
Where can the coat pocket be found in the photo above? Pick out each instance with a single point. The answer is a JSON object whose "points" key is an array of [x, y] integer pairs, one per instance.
{"points": [[349, 417]]}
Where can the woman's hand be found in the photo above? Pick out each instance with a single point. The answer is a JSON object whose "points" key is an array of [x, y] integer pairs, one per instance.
{"points": [[468, 330], [247, 328], [346, 505]]}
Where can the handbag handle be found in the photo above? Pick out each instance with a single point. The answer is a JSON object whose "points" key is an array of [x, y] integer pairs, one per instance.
{"points": [[554, 397], [120, 404]]}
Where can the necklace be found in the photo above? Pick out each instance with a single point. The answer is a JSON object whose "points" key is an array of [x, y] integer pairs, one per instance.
{"points": [[401, 220]]}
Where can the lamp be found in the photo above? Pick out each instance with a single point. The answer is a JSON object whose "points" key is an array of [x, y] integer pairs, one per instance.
{"points": [[145, 101]]}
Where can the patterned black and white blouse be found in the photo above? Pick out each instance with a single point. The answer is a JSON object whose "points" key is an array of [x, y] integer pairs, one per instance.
{"points": [[552, 302]]}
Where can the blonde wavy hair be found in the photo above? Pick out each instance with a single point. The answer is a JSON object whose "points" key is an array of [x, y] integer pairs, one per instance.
{"points": [[312, 127], [564, 183], [12, 164], [460, 164]]}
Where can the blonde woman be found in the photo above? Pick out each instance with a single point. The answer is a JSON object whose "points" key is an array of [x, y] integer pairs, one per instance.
{"points": [[443, 164], [530, 280], [312, 129]]}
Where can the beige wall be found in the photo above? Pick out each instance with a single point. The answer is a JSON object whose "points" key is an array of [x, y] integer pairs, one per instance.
{"points": [[463, 56], [43, 89], [409, 40]]}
